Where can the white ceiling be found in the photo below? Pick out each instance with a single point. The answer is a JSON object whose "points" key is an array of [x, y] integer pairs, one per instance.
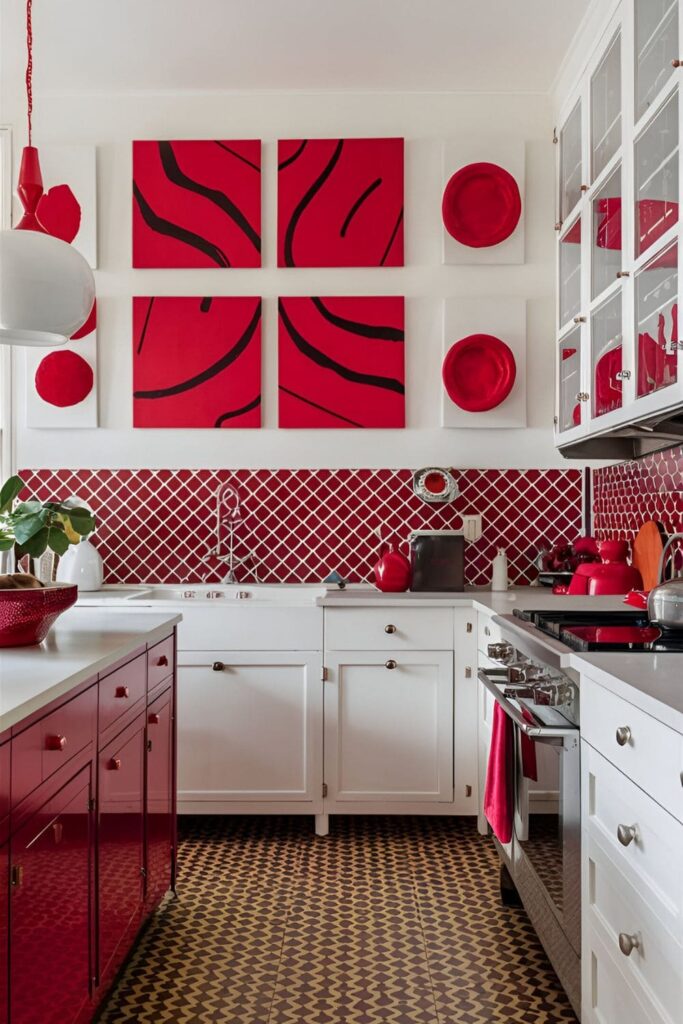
{"points": [[423, 45]]}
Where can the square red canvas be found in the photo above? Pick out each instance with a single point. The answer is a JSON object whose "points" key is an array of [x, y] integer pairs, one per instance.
{"points": [[341, 362], [340, 203], [197, 204], [196, 362]]}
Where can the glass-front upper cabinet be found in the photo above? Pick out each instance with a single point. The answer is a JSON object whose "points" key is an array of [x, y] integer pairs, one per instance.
{"points": [[656, 176], [606, 357], [656, 327], [570, 273], [569, 369], [606, 108], [656, 46], [606, 234], [570, 162]]}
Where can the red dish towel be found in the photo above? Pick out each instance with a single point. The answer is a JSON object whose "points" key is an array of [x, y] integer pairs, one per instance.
{"points": [[499, 794], [529, 766]]}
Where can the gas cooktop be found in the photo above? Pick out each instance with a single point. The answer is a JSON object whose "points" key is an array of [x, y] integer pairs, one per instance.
{"points": [[605, 631]]}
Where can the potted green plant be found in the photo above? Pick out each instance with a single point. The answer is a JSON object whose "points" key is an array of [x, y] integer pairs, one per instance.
{"points": [[31, 527]]}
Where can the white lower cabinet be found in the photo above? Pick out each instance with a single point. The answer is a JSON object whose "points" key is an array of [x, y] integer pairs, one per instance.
{"points": [[388, 729], [250, 731]]}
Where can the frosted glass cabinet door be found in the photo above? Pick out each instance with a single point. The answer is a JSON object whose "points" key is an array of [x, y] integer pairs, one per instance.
{"points": [[570, 273], [606, 108], [606, 356], [606, 234], [656, 170], [656, 42], [569, 413], [570, 162], [657, 322]]}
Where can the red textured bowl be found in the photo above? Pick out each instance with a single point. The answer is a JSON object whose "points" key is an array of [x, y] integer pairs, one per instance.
{"points": [[481, 205], [26, 616], [478, 372]]}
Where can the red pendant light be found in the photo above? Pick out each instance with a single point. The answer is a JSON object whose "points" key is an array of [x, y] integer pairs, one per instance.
{"points": [[47, 289]]}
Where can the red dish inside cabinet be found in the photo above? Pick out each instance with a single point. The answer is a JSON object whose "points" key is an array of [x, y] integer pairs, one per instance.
{"points": [[120, 844], [159, 798], [4, 928], [51, 908]]}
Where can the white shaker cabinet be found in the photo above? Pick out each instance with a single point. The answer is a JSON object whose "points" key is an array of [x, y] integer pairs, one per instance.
{"points": [[388, 728], [250, 732]]}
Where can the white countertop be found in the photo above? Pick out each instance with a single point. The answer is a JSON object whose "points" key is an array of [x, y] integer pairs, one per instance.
{"points": [[81, 644], [652, 682]]}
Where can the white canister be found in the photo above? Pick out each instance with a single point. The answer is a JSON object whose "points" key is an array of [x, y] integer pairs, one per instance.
{"points": [[81, 564], [499, 571]]}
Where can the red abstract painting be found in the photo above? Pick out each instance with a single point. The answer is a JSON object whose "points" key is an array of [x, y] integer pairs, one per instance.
{"points": [[341, 362], [340, 203], [196, 362], [197, 204]]}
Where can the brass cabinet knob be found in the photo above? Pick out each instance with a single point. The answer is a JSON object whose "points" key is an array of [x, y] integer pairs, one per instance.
{"points": [[623, 735], [626, 834]]}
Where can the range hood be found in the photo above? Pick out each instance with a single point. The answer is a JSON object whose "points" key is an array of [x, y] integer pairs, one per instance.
{"points": [[630, 441]]}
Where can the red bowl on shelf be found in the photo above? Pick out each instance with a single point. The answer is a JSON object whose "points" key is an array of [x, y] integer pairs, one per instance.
{"points": [[481, 205], [479, 372], [26, 616]]}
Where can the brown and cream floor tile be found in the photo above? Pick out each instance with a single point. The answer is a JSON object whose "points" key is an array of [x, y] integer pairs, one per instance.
{"points": [[385, 921]]}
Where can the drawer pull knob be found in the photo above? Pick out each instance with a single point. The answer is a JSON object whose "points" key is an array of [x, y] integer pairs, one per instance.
{"points": [[626, 834], [114, 764], [390, 664], [55, 742], [218, 666], [162, 661], [122, 692], [623, 735], [627, 943], [390, 628], [153, 719]]}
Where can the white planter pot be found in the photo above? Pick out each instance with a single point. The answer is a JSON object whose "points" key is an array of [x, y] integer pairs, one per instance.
{"points": [[81, 564]]}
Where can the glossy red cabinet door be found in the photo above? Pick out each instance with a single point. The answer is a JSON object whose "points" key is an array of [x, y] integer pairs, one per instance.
{"points": [[51, 902], [4, 927], [120, 843], [159, 797]]}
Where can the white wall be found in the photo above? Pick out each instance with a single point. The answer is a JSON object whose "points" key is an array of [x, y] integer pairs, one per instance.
{"points": [[112, 121]]}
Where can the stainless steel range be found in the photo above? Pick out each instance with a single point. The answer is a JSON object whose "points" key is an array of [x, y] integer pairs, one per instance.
{"points": [[527, 676]]}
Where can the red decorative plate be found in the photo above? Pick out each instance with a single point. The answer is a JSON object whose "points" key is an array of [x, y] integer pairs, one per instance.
{"points": [[478, 372], [481, 205]]}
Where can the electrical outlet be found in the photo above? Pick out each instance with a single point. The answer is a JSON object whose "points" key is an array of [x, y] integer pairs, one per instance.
{"points": [[471, 527]]}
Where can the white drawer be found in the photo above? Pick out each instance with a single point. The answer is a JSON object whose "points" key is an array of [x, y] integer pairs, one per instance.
{"points": [[608, 996], [653, 754], [614, 908], [487, 632], [389, 629], [241, 628], [610, 802]]}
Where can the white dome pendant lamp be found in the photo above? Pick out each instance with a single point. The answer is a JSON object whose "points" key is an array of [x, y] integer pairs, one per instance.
{"points": [[47, 289]]}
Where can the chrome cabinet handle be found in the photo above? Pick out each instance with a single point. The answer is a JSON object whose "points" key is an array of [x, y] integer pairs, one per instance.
{"points": [[218, 666], [390, 628], [627, 943], [626, 834], [499, 652], [623, 735], [390, 664]]}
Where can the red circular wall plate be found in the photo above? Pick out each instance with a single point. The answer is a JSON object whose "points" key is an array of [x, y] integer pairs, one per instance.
{"points": [[64, 379], [479, 372], [481, 205]]}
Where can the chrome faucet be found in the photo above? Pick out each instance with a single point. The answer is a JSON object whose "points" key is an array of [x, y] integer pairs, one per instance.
{"points": [[228, 516]]}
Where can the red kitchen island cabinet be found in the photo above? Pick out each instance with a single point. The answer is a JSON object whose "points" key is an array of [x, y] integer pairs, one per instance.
{"points": [[87, 827]]}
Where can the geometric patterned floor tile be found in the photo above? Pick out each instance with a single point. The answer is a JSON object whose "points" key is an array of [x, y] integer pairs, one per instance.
{"points": [[385, 921]]}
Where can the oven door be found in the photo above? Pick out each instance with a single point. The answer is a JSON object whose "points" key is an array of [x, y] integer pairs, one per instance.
{"points": [[547, 821]]}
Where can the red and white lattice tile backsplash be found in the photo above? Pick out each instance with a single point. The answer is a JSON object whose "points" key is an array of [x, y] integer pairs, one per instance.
{"points": [[625, 495], [156, 526]]}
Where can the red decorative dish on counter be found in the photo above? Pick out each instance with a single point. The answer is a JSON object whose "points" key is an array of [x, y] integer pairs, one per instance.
{"points": [[26, 616], [479, 372], [481, 205]]}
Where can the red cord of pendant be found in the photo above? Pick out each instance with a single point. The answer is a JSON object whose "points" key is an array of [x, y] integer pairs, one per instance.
{"points": [[29, 67]]}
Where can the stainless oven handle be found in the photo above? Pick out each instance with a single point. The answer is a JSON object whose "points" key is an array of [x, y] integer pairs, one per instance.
{"points": [[533, 731]]}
